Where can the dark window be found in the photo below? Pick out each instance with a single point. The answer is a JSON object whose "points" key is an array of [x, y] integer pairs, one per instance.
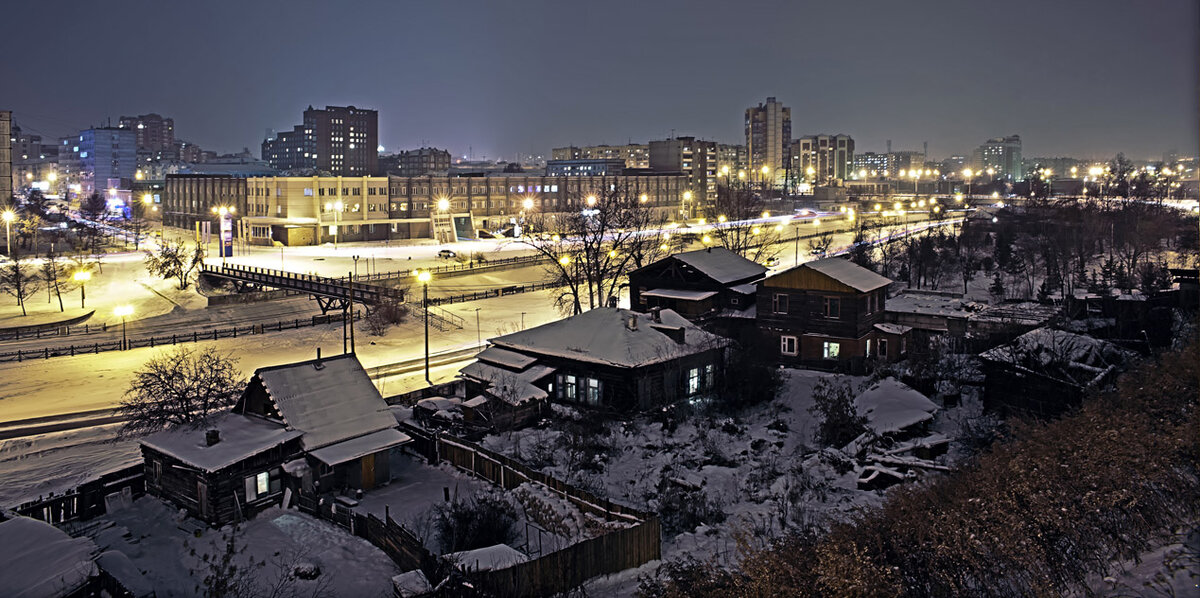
{"points": [[833, 307], [779, 303]]}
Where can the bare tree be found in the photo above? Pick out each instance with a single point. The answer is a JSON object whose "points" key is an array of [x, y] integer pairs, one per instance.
{"points": [[19, 280], [173, 260], [602, 237], [179, 387], [53, 273], [738, 224], [93, 209]]}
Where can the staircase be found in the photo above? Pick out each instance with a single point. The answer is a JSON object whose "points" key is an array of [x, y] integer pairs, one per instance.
{"points": [[439, 318]]}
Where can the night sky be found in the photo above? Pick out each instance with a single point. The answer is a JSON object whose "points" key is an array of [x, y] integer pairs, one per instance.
{"points": [[1086, 79]]}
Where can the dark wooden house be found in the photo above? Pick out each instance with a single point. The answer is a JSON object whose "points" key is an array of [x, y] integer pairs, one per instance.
{"points": [[697, 284], [828, 313], [607, 358], [316, 426]]}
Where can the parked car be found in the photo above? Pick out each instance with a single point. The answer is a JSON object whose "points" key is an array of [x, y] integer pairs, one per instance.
{"points": [[772, 262], [447, 254]]}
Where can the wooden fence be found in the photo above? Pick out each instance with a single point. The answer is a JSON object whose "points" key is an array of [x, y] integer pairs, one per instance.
{"points": [[87, 500], [401, 545], [555, 572]]}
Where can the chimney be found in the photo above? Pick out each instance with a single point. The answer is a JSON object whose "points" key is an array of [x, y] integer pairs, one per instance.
{"points": [[631, 323], [212, 437], [656, 314]]}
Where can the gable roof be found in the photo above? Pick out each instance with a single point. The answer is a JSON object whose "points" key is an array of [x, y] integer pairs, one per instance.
{"points": [[845, 272], [242, 436], [721, 265], [329, 400], [603, 336]]}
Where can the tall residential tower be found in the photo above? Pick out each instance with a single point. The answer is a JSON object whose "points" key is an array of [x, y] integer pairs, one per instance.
{"points": [[768, 135]]}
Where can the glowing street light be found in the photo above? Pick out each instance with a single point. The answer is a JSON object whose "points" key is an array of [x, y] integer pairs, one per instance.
{"points": [[335, 207], [123, 311], [591, 200], [443, 204], [9, 216], [82, 277]]}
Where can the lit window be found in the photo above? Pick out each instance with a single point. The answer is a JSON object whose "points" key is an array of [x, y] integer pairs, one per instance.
{"points": [[831, 350]]}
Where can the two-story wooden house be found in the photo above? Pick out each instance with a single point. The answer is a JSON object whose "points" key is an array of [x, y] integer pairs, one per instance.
{"points": [[830, 314], [696, 283]]}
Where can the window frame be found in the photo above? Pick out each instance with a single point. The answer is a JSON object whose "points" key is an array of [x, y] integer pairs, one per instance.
{"points": [[831, 350], [786, 340]]}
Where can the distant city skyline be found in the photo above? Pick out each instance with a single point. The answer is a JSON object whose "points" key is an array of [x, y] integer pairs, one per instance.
{"points": [[505, 80]]}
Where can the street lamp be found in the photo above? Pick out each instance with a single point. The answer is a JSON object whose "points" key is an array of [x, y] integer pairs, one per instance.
{"points": [[9, 216], [424, 277], [967, 174], [225, 225], [123, 311], [335, 207], [82, 277]]}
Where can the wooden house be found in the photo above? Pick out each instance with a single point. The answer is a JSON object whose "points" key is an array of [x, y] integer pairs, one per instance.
{"points": [[697, 284], [317, 426], [607, 358], [828, 313]]}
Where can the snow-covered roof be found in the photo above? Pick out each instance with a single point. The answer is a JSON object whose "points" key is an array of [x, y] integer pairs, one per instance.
{"points": [[746, 289], [330, 400], [241, 436], [603, 335], [354, 448], [891, 406], [39, 560], [413, 583], [930, 304], [512, 387], [721, 265], [122, 569], [489, 558], [505, 357], [1043, 348], [848, 273], [438, 403], [889, 328], [680, 294]]}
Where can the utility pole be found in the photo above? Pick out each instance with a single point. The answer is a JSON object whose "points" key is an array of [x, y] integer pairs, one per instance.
{"points": [[352, 310]]}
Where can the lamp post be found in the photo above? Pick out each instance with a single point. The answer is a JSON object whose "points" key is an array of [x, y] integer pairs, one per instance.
{"points": [[478, 332], [967, 172], [424, 276], [335, 207], [123, 311], [9, 216], [82, 277]]}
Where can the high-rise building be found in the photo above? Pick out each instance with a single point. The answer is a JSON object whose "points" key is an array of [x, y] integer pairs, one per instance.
{"points": [[104, 156], [830, 158], [696, 159], [768, 137], [154, 133], [733, 156], [870, 164], [6, 182], [635, 155], [341, 141], [905, 160], [1003, 154]]}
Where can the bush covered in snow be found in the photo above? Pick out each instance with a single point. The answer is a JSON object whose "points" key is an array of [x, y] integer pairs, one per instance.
{"points": [[477, 521], [683, 507]]}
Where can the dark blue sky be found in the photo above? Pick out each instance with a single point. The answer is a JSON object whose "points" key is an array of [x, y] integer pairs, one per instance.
{"points": [[1072, 78]]}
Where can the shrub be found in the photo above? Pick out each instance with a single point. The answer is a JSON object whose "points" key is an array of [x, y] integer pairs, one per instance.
{"points": [[484, 519]]}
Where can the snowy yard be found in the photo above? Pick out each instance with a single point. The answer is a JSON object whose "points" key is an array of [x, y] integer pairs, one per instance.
{"points": [[711, 477], [545, 521], [165, 549]]}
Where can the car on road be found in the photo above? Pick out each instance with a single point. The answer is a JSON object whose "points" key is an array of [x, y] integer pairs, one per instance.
{"points": [[818, 252], [447, 254], [772, 262]]}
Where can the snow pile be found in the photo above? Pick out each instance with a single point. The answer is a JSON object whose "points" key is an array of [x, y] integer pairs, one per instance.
{"points": [[891, 406], [411, 584], [490, 558], [40, 560]]}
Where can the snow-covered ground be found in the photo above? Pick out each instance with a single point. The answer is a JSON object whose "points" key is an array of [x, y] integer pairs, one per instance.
{"points": [[35, 466], [757, 473], [163, 547]]}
